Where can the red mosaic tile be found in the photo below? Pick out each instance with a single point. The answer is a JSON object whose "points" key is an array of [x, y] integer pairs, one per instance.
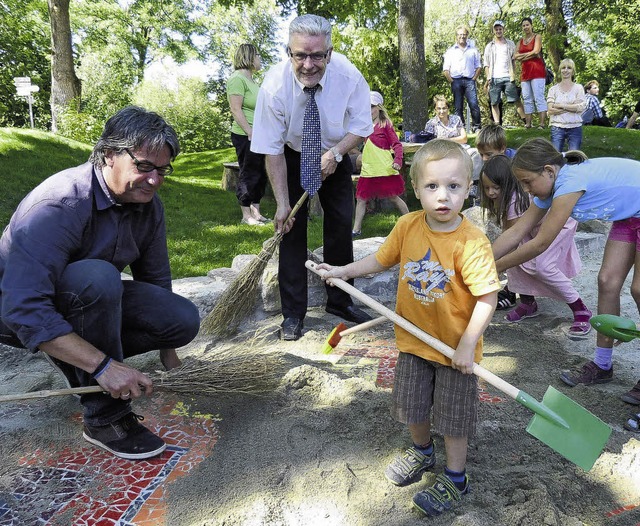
{"points": [[622, 510], [97, 489]]}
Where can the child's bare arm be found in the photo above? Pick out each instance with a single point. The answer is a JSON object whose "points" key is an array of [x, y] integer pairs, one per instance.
{"points": [[480, 318], [368, 265], [549, 229]]}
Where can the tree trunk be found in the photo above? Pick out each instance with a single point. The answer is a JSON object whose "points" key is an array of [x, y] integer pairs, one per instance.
{"points": [[556, 33], [413, 73], [65, 85]]}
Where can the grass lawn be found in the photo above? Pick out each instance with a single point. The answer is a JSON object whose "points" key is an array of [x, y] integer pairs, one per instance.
{"points": [[203, 221]]}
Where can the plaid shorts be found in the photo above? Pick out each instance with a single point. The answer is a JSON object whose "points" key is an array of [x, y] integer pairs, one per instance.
{"points": [[422, 387]]}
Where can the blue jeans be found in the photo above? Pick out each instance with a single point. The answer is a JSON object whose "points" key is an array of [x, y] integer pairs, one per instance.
{"points": [[122, 318], [465, 88], [571, 135]]}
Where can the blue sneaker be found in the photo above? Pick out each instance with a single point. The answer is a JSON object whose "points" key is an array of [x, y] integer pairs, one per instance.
{"points": [[409, 467], [440, 497]]}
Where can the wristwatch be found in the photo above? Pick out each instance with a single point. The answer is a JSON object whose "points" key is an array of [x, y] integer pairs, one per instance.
{"points": [[336, 154]]}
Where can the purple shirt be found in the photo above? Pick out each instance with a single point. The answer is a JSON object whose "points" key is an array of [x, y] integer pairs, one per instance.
{"points": [[71, 216]]}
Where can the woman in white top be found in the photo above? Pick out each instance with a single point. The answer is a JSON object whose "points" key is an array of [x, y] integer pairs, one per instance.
{"points": [[566, 101]]}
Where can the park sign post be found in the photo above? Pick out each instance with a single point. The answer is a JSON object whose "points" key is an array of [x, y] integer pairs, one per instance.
{"points": [[24, 88]]}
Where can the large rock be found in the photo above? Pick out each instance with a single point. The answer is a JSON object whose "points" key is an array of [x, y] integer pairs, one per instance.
{"points": [[477, 217], [381, 286], [205, 291]]}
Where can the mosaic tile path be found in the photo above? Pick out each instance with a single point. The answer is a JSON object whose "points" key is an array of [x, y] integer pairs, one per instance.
{"points": [[90, 487]]}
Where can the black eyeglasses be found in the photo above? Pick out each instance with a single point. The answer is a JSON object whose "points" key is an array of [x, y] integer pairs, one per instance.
{"points": [[146, 167], [315, 57]]}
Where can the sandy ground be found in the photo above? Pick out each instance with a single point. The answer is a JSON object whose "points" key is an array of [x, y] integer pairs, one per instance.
{"points": [[313, 451]]}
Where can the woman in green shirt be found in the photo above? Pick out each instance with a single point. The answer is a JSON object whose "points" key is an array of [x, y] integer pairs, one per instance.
{"points": [[242, 93]]}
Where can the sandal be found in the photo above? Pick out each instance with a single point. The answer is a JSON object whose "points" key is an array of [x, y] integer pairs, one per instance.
{"points": [[580, 326], [632, 396], [356, 233], [506, 299], [523, 311], [633, 424]]}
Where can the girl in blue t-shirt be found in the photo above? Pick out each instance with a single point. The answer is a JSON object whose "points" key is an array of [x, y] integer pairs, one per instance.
{"points": [[570, 185]]}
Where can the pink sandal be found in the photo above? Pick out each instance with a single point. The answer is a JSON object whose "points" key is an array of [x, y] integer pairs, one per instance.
{"points": [[522, 311], [580, 326]]}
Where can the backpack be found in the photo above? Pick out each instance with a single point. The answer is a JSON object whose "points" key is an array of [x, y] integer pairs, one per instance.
{"points": [[549, 75]]}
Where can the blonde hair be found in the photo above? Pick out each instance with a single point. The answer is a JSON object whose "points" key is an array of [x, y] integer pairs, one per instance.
{"points": [[463, 26], [568, 62], [383, 116], [492, 136], [535, 154], [244, 57], [436, 150]]}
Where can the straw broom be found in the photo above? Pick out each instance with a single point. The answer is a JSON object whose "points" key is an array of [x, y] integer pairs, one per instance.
{"points": [[252, 371], [239, 299]]}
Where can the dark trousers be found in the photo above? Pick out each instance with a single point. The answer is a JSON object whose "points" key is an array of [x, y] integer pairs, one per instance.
{"points": [[336, 198], [465, 88], [253, 176], [122, 318]]}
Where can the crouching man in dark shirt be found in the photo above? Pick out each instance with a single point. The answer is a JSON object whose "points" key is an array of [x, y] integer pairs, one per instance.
{"points": [[60, 286]]}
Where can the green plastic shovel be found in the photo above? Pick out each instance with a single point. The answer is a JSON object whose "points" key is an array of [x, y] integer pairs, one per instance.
{"points": [[615, 327], [559, 422]]}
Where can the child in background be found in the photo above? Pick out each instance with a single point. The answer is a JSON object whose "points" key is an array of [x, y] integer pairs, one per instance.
{"points": [[492, 141], [571, 185], [447, 285], [550, 273], [379, 175]]}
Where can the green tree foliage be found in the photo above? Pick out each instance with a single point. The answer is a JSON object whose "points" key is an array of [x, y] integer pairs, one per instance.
{"points": [[200, 124], [605, 46], [228, 27], [24, 52], [149, 29]]}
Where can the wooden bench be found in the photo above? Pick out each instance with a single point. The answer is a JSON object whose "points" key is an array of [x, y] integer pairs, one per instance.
{"points": [[230, 176]]}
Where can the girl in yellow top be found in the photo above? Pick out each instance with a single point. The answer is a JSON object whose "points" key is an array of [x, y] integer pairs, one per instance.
{"points": [[381, 162]]}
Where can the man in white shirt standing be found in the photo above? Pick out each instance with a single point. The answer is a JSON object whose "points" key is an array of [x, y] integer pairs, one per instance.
{"points": [[342, 97], [461, 68], [500, 67]]}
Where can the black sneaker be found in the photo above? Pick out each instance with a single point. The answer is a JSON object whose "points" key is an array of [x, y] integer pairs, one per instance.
{"points": [[589, 374], [125, 438], [440, 497], [409, 467]]}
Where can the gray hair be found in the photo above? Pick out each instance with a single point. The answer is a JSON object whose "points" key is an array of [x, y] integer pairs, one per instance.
{"points": [[312, 25], [131, 129]]}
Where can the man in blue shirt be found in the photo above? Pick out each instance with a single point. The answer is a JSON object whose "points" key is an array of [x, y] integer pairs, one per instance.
{"points": [[61, 290]]}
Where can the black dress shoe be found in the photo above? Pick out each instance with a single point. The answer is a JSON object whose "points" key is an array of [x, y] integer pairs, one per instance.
{"points": [[349, 313], [291, 329]]}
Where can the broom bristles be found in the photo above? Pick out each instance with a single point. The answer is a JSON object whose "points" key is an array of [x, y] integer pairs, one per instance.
{"points": [[239, 299], [229, 371]]}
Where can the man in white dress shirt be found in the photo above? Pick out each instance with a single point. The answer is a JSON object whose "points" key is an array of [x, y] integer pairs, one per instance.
{"points": [[461, 68], [342, 97]]}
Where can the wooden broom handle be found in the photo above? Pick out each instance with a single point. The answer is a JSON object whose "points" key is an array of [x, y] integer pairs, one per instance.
{"points": [[365, 325], [52, 392], [478, 370]]}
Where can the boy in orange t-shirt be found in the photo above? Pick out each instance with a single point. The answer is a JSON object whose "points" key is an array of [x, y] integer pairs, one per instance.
{"points": [[447, 285]]}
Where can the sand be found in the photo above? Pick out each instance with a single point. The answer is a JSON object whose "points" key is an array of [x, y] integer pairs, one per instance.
{"points": [[313, 451]]}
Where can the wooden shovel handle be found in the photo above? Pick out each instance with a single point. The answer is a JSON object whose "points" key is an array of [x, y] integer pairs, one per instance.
{"points": [[478, 370]]}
